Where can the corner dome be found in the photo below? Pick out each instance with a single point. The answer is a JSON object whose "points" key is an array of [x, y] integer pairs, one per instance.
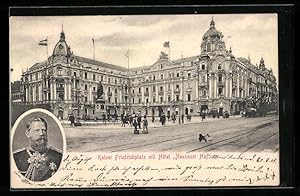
{"points": [[212, 31], [61, 48]]}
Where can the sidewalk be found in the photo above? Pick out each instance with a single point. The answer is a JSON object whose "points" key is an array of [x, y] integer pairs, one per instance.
{"points": [[99, 123]]}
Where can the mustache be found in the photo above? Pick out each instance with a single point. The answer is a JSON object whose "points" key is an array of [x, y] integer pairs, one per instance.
{"points": [[41, 138]]}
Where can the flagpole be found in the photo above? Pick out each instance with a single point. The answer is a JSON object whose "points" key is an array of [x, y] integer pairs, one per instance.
{"points": [[128, 62], [93, 48], [169, 51], [47, 49]]}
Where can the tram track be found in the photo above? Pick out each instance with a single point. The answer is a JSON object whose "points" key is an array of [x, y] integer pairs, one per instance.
{"points": [[174, 138]]}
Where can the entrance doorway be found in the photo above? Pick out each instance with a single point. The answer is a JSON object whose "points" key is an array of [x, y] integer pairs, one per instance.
{"points": [[221, 111], [60, 114], [186, 111]]}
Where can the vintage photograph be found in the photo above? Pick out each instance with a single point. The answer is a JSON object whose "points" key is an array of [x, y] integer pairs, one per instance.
{"points": [[37, 145], [185, 84]]}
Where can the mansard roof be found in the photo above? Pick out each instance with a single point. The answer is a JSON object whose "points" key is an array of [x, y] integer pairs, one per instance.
{"points": [[99, 63], [186, 59]]}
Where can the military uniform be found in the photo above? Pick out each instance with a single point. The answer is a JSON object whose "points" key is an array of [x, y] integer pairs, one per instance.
{"points": [[37, 166]]}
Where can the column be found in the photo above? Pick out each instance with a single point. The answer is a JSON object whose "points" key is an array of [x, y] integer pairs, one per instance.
{"points": [[150, 93], [238, 86], [142, 91], [165, 91], [215, 86], [33, 92], [120, 97], [54, 91], [26, 94], [90, 93], [210, 83], [65, 92], [172, 90], [157, 87], [51, 90], [230, 86], [40, 92], [196, 90], [69, 91], [181, 91]]}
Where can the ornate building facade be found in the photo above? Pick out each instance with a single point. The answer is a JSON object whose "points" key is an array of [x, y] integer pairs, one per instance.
{"points": [[213, 80]]}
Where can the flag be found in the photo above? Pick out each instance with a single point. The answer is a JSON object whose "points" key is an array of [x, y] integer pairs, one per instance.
{"points": [[228, 36], [167, 44], [93, 41], [43, 42]]}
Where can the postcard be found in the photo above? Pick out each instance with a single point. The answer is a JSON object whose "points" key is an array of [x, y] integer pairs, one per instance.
{"points": [[126, 101]]}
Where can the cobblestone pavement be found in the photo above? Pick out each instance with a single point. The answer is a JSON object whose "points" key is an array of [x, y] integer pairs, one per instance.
{"points": [[236, 134]]}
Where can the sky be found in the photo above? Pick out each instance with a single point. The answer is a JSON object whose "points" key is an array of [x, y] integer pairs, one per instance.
{"points": [[253, 35]]}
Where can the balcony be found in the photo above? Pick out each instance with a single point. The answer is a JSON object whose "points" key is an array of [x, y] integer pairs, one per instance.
{"points": [[146, 93], [60, 89], [177, 90], [109, 93], [221, 83], [189, 89], [201, 84], [160, 92]]}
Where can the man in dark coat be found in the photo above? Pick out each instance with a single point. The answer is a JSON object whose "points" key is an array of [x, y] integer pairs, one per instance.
{"points": [[139, 119], [38, 161]]}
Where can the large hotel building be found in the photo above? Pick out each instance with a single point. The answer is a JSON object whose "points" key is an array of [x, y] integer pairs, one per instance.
{"points": [[215, 79]]}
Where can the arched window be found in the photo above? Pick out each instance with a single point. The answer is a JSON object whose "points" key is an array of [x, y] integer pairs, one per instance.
{"points": [[208, 47], [220, 77]]}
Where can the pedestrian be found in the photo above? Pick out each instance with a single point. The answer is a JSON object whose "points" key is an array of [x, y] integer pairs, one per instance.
{"points": [[130, 120], [104, 118], [135, 124], [72, 120], [145, 125], [139, 119], [203, 115], [182, 118], [153, 118], [122, 120]]}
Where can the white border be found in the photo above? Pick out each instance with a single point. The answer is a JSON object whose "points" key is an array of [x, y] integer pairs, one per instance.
{"points": [[13, 166]]}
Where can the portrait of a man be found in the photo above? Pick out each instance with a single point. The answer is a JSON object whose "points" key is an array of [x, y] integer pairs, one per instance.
{"points": [[38, 161]]}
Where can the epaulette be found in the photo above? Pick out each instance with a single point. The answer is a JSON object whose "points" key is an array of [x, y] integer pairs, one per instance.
{"points": [[55, 149], [19, 150]]}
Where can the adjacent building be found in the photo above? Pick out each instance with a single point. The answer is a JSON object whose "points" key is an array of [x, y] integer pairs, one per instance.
{"points": [[213, 80]]}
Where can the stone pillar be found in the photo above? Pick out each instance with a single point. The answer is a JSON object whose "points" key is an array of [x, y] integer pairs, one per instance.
{"points": [[33, 93], [51, 90], [196, 90], [238, 86], [150, 93], [40, 92], [65, 92], [54, 90], [142, 91], [69, 91], [230, 86], [165, 91], [90, 99], [156, 92], [215, 86], [172, 90]]}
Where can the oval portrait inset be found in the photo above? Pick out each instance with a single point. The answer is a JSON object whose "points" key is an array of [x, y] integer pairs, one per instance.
{"points": [[38, 143]]}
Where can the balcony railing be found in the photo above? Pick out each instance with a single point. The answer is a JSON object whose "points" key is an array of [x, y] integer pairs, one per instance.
{"points": [[161, 92], [221, 83], [146, 93], [203, 83], [109, 93], [177, 91]]}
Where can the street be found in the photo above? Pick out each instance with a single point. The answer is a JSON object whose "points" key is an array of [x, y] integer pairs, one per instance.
{"points": [[235, 134]]}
